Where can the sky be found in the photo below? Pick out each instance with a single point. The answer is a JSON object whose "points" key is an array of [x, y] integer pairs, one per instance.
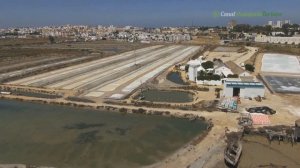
{"points": [[145, 13]]}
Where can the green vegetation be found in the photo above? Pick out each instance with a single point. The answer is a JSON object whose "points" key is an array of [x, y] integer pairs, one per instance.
{"points": [[207, 76], [287, 29], [207, 65], [233, 76], [249, 67], [51, 39], [187, 68]]}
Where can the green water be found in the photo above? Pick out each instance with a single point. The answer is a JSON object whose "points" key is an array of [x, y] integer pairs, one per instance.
{"points": [[167, 96], [176, 78], [60, 136]]}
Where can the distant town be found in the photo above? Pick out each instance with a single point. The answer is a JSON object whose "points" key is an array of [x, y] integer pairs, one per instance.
{"points": [[280, 31]]}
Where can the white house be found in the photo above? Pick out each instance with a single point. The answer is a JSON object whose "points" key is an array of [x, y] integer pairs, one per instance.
{"points": [[223, 71]]}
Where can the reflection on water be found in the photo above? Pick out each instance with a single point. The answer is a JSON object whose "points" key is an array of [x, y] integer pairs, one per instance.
{"points": [[176, 78], [61, 136], [167, 96]]}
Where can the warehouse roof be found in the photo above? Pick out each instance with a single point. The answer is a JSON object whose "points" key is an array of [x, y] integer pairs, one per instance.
{"points": [[244, 84]]}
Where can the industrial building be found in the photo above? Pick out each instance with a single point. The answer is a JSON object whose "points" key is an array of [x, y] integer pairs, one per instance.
{"points": [[243, 89]]}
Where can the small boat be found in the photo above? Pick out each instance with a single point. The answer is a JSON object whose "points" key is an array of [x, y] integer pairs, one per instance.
{"points": [[233, 152]]}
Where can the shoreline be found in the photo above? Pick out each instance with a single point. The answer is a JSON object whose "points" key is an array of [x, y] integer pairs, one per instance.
{"points": [[122, 108], [192, 153], [133, 110]]}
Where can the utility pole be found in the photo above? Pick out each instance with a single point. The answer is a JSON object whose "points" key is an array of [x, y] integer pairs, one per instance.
{"points": [[134, 51]]}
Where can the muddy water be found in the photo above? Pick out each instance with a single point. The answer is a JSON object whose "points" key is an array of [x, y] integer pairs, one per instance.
{"points": [[258, 152], [60, 136], [167, 96]]}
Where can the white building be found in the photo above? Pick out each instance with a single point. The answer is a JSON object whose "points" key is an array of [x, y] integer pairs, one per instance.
{"points": [[193, 69], [243, 89], [277, 40], [277, 33], [270, 23], [287, 22], [279, 23], [223, 71]]}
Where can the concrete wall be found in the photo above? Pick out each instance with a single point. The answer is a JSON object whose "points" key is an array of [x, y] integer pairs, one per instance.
{"points": [[252, 92], [211, 82], [228, 92], [245, 92], [192, 73], [245, 74]]}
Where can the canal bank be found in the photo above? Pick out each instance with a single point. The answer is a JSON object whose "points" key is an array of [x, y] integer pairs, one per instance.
{"points": [[187, 156], [87, 137]]}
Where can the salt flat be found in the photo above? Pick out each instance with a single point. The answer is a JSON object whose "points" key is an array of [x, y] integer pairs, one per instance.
{"points": [[280, 63], [115, 75]]}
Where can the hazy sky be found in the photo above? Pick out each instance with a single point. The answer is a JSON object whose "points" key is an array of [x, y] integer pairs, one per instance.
{"points": [[148, 13]]}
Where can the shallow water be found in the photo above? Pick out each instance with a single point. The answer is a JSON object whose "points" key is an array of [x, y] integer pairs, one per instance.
{"points": [[176, 78], [39, 95], [167, 96], [61, 136]]}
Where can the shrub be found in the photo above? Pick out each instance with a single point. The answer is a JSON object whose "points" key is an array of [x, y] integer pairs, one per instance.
{"points": [[187, 68], [123, 110], [249, 67], [207, 65], [209, 77], [233, 76]]}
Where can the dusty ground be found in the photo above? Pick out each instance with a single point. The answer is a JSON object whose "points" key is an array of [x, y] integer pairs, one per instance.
{"points": [[204, 40], [16, 51], [237, 57]]}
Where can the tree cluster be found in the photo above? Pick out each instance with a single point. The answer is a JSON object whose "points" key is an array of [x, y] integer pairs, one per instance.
{"points": [[202, 75], [249, 67], [287, 29], [207, 65]]}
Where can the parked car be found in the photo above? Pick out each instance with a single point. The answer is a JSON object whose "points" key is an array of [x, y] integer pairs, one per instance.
{"points": [[262, 109]]}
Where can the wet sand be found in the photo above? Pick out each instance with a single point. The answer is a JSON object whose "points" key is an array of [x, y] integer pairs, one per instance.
{"points": [[258, 152]]}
